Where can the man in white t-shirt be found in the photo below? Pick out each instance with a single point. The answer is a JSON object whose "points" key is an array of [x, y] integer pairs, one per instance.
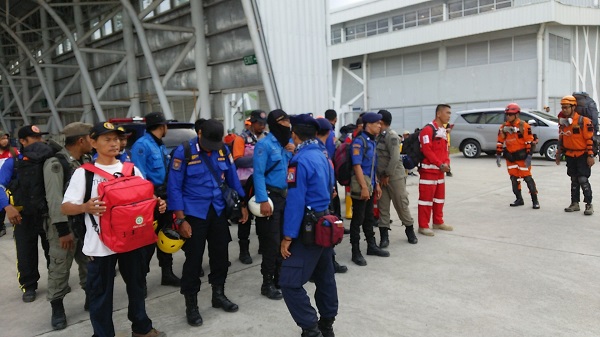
{"points": [[101, 268]]}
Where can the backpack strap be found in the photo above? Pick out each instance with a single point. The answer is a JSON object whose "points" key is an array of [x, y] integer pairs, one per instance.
{"points": [[187, 152], [127, 169], [67, 170], [92, 168]]}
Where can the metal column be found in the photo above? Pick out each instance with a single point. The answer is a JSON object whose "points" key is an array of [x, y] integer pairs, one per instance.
{"points": [[49, 72], [201, 60], [85, 94], [132, 75]]}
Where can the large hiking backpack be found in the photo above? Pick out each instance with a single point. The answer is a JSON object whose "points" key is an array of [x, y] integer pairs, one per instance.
{"points": [[342, 162], [411, 149], [26, 188], [587, 107], [127, 223]]}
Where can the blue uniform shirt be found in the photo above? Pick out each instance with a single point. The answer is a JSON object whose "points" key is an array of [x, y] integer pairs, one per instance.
{"points": [[309, 179], [192, 188], [364, 157], [150, 159], [267, 153], [6, 173], [330, 144]]}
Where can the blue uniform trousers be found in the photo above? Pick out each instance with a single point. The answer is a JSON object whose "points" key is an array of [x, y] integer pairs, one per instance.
{"points": [[296, 270], [215, 230], [100, 286]]}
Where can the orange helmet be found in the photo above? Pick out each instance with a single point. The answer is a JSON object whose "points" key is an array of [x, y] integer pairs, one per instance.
{"points": [[568, 100], [512, 108]]}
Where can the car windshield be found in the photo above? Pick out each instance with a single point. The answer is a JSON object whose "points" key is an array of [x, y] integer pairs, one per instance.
{"points": [[544, 115]]}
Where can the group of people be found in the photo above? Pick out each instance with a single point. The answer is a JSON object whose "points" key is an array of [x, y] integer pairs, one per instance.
{"points": [[575, 143]]}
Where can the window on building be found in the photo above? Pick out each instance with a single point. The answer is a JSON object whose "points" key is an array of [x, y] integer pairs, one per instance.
{"points": [[398, 22], [350, 33], [437, 13], [361, 31], [486, 5], [559, 48], [382, 26], [371, 28], [118, 21], [97, 34], [455, 9], [180, 2], [470, 7], [336, 35], [424, 16], [107, 29], [410, 19], [163, 7]]}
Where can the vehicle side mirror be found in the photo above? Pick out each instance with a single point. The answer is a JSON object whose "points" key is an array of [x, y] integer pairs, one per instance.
{"points": [[532, 122]]}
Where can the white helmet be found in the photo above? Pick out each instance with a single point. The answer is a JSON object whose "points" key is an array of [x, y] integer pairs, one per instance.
{"points": [[254, 207]]}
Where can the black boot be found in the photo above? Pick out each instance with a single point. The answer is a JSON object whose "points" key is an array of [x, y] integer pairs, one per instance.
{"points": [[410, 234], [533, 191], [338, 268], [168, 278], [326, 326], [268, 288], [245, 257], [516, 187], [373, 249], [59, 319], [219, 300], [357, 256], [534, 200], [311, 332], [191, 310], [518, 202], [385, 239]]}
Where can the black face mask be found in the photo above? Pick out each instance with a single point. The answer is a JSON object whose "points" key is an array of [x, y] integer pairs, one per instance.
{"points": [[281, 133]]}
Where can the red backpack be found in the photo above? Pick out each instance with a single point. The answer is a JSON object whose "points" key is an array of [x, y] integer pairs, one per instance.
{"points": [[127, 223]]}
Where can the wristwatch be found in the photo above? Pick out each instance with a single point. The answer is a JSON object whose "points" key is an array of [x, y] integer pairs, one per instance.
{"points": [[178, 221]]}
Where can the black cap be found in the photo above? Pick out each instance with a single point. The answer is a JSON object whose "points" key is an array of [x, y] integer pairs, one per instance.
{"points": [[258, 116], [103, 128], [371, 117], [198, 123], [30, 131], [212, 135], [386, 116], [155, 118], [276, 116]]}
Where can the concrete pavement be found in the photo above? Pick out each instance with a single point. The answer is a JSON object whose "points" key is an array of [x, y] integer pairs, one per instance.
{"points": [[502, 272]]}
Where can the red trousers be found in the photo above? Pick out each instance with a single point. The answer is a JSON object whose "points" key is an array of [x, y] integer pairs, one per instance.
{"points": [[432, 191]]}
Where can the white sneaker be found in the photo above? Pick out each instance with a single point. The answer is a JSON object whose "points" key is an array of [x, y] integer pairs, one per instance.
{"points": [[443, 227], [426, 231]]}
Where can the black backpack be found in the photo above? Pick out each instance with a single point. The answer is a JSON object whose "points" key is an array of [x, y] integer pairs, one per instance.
{"points": [[587, 107], [411, 150]]}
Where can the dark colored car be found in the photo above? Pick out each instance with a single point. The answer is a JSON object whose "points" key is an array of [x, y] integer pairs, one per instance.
{"points": [[177, 132]]}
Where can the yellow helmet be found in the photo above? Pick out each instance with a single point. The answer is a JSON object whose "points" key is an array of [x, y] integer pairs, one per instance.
{"points": [[568, 100], [169, 241]]}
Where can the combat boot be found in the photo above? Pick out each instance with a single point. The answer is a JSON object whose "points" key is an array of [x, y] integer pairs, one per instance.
{"points": [[326, 326], [410, 234], [245, 257], [385, 238], [59, 319], [268, 288], [519, 201], [311, 332], [373, 249], [589, 209], [357, 255], [168, 278], [534, 201], [191, 310], [573, 207], [219, 300], [338, 268]]}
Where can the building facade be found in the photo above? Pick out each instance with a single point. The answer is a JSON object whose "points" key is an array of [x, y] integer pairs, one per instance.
{"points": [[408, 56]]}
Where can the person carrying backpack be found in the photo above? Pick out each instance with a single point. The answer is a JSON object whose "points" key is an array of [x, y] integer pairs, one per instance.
{"points": [[23, 176], [436, 162], [575, 141], [6, 151], [64, 245], [196, 189], [101, 268]]}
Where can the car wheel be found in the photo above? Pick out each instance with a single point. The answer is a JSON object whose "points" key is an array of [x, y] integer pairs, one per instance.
{"points": [[471, 149], [550, 150]]}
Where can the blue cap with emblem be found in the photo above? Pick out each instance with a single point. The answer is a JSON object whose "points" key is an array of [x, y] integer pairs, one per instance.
{"points": [[304, 120], [324, 124], [103, 128], [371, 117]]}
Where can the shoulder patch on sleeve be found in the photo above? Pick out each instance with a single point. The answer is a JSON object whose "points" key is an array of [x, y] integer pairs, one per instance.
{"points": [[356, 152], [56, 167], [291, 175], [176, 164], [140, 150], [425, 139]]}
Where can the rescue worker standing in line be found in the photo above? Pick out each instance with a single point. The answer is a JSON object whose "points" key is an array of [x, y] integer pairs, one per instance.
{"points": [[575, 142], [514, 142], [363, 187], [243, 152], [271, 157], [310, 180], [64, 246], [148, 155], [392, 178], [436, 162], [199, 206]]}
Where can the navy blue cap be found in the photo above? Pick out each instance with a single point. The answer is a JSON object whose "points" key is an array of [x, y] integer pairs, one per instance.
{"points": [[155, 118], [304, 119], [324, 124], [371, 117]]}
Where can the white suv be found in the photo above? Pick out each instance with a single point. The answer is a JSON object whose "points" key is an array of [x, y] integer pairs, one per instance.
{"points": [[476, 131]]}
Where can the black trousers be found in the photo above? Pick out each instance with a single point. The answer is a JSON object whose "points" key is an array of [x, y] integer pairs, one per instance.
{"points": [[362, 216], [2, 218], [214, 230], [164, 259], [270, 235], [26, 241]]}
